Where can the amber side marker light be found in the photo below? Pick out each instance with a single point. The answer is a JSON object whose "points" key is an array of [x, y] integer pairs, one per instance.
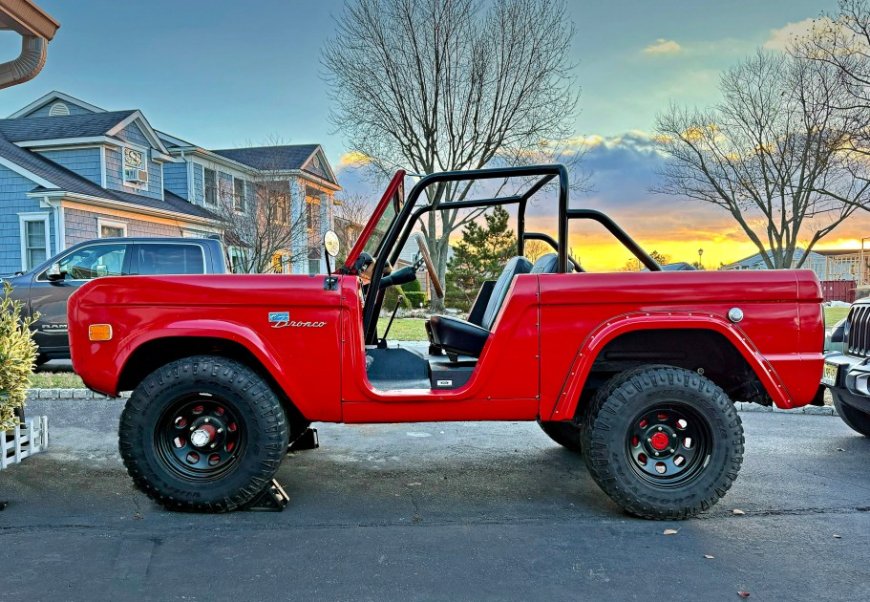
{"points": [[100, 332]]}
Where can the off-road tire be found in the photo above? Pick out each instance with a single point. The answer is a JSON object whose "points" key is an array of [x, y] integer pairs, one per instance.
{"points": [[857, 420], [262, 422], [569, 433], [566, 433], [605, 441]]}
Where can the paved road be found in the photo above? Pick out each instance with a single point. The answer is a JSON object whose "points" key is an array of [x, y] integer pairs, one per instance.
{"points": [[469, 511]]}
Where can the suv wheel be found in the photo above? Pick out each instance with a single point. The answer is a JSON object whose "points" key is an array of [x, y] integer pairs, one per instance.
{"points": [[665, 443], [203, 433], [855, 419]]}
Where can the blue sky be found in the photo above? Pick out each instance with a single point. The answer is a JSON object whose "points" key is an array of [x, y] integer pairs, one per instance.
{"points": [[229, 73]]}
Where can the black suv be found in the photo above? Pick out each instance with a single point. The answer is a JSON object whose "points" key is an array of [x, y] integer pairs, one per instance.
{"points": [[847, 373], [46, 288]]}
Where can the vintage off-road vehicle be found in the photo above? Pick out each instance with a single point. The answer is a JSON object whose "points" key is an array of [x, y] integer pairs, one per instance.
{"points": [[637, 371]]}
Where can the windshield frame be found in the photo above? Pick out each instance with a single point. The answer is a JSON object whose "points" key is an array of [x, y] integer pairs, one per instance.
{"points": [[395, 193]]}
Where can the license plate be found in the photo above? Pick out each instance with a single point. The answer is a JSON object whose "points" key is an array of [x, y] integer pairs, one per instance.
{"points": [[829, 375]]}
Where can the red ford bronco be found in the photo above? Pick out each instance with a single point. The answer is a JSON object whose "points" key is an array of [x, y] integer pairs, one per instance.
{"points": [[636, 371]]}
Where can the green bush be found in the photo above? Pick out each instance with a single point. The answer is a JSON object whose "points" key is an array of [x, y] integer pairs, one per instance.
{"points": [[17, 356], [412, 296], [390, 297], [413, 292]]}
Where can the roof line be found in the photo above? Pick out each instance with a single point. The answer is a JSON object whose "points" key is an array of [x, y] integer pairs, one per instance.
{"points": [[23, 171], [147, 130], [55, 94], [120, 204]]}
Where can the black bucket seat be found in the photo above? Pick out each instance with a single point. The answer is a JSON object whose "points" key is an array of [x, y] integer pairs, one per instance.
{"points": [[461, 337]]}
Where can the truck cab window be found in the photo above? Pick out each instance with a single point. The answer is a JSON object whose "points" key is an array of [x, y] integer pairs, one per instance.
{"points": [[92, 262], [169, 259]]}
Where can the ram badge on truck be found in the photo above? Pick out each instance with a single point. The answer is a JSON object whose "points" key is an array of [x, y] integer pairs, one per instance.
{"points": [[637, 371]]}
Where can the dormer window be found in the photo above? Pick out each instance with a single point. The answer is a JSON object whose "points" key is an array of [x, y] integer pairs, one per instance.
{"points": [[58, 109], [135, 170]]}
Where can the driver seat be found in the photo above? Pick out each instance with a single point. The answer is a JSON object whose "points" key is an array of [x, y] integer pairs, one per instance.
{"points": [[461, 337]]}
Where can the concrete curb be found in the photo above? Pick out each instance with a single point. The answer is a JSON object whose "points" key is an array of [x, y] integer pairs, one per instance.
{"points": [[745, 406], [742, 406], [34, 394]]}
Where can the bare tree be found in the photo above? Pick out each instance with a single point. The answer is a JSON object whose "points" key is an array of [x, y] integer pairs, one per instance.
{"points": [[775, 154], [842, 41], [260, 224], [439, 85], [352, 213]]}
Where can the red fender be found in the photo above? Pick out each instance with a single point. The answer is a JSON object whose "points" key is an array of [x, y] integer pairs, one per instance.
{"points": [[569, 397], [259, 347]]}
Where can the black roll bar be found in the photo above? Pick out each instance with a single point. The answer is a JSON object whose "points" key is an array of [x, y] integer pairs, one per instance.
{"points": [[403, 223]]}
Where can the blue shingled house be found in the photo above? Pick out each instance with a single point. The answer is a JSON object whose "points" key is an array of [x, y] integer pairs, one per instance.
{"points": [[71, 171]]}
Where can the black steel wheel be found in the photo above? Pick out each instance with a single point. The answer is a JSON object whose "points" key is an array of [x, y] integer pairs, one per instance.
{"points": [[666, 443], [857, 420], [200, 437], [203, 433]]}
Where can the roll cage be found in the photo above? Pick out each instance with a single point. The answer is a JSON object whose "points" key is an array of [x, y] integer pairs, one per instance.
{"points": [[407, 214]]}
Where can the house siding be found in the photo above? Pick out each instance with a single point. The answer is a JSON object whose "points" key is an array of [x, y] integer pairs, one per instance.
{"points": [[83, 225], [115, 181], [114, 165], [44, 109], [83, 161], [175, 178], [198, 184], [13, 200]]}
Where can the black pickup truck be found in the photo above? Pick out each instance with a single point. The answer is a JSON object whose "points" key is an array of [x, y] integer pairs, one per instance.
{"points": [[46, 288], [847, 372]]}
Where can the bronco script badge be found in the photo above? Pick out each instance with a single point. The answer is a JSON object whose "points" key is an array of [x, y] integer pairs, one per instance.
{"points": [[281, 319]]}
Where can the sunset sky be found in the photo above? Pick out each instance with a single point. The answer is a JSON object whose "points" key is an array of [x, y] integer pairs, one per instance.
{"points": [[224, 73]]}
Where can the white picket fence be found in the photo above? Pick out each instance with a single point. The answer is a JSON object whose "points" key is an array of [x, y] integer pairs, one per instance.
{"points": [[25, 440]]}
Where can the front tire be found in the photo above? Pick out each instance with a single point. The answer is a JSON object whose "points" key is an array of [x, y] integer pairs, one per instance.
{"points": [[857, 420], [203, 434], [664, 444]]}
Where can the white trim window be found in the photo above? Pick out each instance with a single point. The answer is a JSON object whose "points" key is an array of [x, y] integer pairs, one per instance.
{"points": [[210, 187], [35, 234], [110, 229], [239, 191], [135, 167]]}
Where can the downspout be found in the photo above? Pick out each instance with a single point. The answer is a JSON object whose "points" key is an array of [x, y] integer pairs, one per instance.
{"points": [[28, 64]]}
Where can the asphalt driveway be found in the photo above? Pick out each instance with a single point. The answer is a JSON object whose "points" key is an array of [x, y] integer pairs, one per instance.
{"points": [[468, 511]]}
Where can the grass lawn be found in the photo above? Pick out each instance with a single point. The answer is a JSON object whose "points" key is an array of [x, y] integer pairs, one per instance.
{"points": [[834, 315], [56, 380], [404, 329]]}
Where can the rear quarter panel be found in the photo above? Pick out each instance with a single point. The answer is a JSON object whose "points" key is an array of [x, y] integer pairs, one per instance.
{"points": [[781, 330]]}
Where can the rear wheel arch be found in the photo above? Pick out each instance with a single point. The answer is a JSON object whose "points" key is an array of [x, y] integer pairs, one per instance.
{"points": [[154, 354], [699, 347]]}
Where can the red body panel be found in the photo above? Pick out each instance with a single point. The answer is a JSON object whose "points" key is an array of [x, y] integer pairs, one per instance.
{"points": [[534, 364]]}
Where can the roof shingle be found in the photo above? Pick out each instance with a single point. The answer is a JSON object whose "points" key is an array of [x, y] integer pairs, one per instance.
{"points": [[271, 157], [68, 126], [69, 181]]}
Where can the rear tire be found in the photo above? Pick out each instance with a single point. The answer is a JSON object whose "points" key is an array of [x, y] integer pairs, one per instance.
{"points": [[203, 434], [664, 444], [857, 420]]}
